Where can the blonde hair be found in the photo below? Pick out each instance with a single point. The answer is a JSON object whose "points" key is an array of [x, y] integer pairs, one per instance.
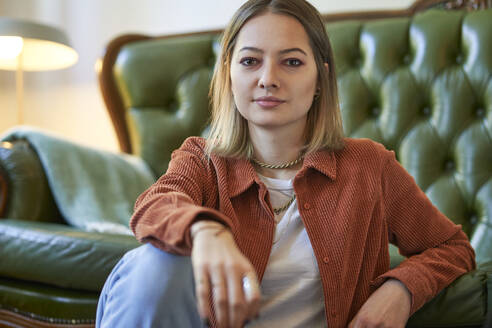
{"points": [[229, 130]]}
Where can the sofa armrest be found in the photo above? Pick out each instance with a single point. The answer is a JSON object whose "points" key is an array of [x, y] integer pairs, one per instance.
{"points": [[93, 189], [24, 182], [464, 303], [59, 255], [487, 267]]}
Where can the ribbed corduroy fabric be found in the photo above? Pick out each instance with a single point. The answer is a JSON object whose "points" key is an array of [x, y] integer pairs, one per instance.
{"points": [[353, 202]]}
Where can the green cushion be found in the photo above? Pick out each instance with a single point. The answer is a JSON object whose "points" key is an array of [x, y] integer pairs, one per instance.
{"points": [[422, 86], [79, 176], [47, 303], [462, 304], [164, 84], [59, 255], [27, 184]]}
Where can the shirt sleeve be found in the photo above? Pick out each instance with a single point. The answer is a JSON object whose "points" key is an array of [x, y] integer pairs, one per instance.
{"points": [[437, 250], [164, 213]]}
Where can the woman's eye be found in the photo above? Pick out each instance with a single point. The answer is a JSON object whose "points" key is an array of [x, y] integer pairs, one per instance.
{"points": [[293, 62], [248, 61]]}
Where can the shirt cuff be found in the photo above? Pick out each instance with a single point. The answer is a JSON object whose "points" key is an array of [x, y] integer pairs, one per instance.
{"points": [[402, 276]]}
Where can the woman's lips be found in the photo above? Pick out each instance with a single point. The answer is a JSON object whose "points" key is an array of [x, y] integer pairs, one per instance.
{"points": [[268, 102]]}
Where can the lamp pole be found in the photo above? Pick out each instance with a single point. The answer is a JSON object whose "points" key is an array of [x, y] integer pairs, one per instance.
{"points": [[30, 46], [19, 87]]}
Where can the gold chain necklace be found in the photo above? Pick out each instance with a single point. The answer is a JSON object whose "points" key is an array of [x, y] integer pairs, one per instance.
{"points": [[279, 166], [278, 210], [281, 233]]}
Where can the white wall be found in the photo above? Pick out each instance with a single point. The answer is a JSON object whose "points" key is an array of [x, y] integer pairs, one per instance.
{"points": [[68, 102]]}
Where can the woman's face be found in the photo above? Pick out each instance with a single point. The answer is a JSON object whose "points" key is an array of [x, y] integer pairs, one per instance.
{"points": [[273, 72]]}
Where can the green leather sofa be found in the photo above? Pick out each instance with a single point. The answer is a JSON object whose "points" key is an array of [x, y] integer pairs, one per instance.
{"points": [[417, 80]]}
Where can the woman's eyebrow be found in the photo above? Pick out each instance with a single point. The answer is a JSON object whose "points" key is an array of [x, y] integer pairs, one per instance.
{"points": [[281, 51]]}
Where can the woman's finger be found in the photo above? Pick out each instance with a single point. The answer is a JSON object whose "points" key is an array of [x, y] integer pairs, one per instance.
{"points": [[202, 290], [252, 294], [220, 299], [237, 303]]}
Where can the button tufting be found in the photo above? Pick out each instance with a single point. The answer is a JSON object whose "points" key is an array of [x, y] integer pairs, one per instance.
{"points": [[407, 59], [480, 112], [326, 259], [459, 59], [334, 313], [307, 206], [426, 111], [449, 165], [358, 61]]}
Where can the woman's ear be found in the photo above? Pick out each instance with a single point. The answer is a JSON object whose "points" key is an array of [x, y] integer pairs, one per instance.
{"points": [[327, 68]]}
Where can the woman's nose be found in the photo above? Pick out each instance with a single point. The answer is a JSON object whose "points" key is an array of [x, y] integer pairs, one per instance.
{"points": [[268, 78]]}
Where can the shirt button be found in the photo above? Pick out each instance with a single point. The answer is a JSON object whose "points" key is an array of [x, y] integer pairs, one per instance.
{"points": [[326, 259], [307, 206]]}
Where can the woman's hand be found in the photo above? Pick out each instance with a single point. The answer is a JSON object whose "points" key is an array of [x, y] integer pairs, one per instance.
{"points": [[388, 306], [219, 268]]}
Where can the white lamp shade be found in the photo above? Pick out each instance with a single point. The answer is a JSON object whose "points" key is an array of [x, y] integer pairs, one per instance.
{"points": [[44, 47]]}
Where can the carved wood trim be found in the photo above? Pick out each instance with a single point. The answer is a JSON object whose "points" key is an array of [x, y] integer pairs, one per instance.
{"points": [[4, 187], [114, 102], [9, 319], [108, 87], [3, 194], [452, 4], [469, 4], [417, 6]]}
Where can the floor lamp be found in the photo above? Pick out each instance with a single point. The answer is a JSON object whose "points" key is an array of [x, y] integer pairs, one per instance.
{"points": [[28, 46]]}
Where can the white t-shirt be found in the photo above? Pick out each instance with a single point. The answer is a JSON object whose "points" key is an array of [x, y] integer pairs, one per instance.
{"points": [[292, 294]]}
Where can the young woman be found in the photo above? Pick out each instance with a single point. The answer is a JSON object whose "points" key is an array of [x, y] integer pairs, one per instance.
{"points": [[286, 221]]}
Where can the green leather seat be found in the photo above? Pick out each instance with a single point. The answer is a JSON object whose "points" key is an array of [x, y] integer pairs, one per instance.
{"points": [[421, 85]]}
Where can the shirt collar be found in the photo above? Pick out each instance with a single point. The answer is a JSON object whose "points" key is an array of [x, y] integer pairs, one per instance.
{"points": [[241, 173], [323, 161]]}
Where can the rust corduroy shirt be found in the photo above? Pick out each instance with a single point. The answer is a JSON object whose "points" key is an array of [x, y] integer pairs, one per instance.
{"points": [[353, 202]]}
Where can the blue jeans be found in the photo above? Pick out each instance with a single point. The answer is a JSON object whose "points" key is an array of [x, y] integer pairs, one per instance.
{"points": [[149, 288]]}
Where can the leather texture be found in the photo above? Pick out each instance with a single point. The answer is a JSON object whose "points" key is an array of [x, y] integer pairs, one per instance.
{"points": [[469, 291], [79, 175], [46, 252], [168, 102], [423, 88], [27, 184], [47, 302]]}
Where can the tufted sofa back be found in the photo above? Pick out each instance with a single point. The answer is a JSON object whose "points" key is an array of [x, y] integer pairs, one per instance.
{"points": [[163, 85], [421, 85]]}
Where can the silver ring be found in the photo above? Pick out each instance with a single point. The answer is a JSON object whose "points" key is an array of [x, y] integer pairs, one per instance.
{"points": [[247, 287]]}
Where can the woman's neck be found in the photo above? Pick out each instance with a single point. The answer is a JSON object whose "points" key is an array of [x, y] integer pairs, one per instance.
{"points": [[276, 147]]}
